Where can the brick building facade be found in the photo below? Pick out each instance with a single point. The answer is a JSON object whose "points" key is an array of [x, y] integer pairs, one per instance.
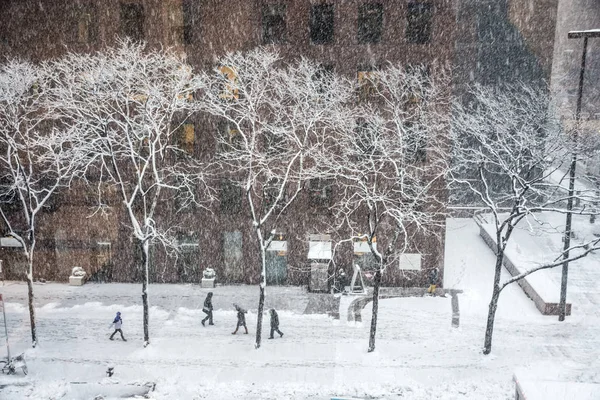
{"points": [[347, 36]]}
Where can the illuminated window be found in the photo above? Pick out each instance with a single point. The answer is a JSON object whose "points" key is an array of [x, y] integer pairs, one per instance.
{"points": [[187, 138], [230, 89], [367, 82]]}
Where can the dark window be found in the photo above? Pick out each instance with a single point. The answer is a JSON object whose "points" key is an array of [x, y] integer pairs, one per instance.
{"points": [[132, 20], [273, 21], [366, 136], [87, 28], [229, 138], [231, 197], [370, 23], [418, 29], [189, 20], [416, 142], [323, 77], [320, 192], [321, 23]]}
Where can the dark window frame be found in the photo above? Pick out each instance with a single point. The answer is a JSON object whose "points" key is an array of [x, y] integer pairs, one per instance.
{"points": [[370, 23], [189, 20], [419, 18], [274, 23], [132, 20], [230, 197], [322, 23]]}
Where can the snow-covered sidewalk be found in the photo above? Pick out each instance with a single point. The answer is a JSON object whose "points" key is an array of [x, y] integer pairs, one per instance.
{"points": [[418, 356]]}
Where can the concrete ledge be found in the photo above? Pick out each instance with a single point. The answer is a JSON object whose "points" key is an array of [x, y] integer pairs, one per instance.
{"points": [[207, 283], [356, 306], [529, 286], [76, 280]]}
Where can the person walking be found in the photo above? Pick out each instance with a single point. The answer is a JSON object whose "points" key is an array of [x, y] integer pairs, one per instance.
{"points": [[241, 319], [208, 309], [274, 323], [433, 278], [118, 323]]}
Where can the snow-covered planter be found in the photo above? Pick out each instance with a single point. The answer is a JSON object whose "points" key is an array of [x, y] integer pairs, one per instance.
{"points": [[78, 276], [208, 278]]}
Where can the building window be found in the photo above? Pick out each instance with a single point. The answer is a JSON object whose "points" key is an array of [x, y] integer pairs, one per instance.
{"points": [[186, 138], [229, 80], [320, 191], [273, 21], [321, 23], [366, 136], [367, 79], [416, 143], [189, 20], [370, 23], [132, 20], [86, 25], [418, 29], [323, 77], [231, 197], [229, 138]]}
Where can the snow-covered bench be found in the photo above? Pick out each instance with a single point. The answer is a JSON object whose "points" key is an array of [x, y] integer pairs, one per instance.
{"points": [[538, 286]]}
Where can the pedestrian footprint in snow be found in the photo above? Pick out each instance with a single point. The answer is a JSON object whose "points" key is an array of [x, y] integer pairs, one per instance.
{"points": [[117, 322], [274, 323], [241, 319], [208, 309]]}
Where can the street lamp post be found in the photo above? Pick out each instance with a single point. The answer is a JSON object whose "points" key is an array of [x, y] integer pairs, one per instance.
{"points": [[562, 307]]}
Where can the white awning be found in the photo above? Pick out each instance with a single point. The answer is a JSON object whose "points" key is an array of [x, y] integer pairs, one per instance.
{"points": [[410, 261], [277, 245], [9, 242], [363, 247], [319, 250]]}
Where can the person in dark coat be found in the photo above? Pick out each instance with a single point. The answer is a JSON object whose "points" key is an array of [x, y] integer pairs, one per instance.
{"points": [[274, 323], [241, 319], [208, 309], [433, 278], [118, 323]]}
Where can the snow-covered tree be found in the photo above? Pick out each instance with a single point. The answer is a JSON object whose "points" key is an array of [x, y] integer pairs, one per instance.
{"points": [[391, 162], [131, 103], [38, 158], [508, 152], [273, 118]]}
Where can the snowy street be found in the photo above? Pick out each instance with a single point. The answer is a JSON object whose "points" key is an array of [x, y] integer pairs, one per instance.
{"points": [[418, 356]]}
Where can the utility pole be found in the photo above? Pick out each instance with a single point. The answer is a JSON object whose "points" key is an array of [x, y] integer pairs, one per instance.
{"points": [[562, 305]]}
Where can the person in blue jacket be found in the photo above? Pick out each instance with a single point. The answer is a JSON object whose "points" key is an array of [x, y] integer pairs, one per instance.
{"points": [[118, 323]]}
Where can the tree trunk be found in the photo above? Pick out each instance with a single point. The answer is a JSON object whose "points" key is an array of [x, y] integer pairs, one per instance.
{"points": [[373, 331], [489, 330], [259, 317], [145, 246], [31, 307], [261, 299]]}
